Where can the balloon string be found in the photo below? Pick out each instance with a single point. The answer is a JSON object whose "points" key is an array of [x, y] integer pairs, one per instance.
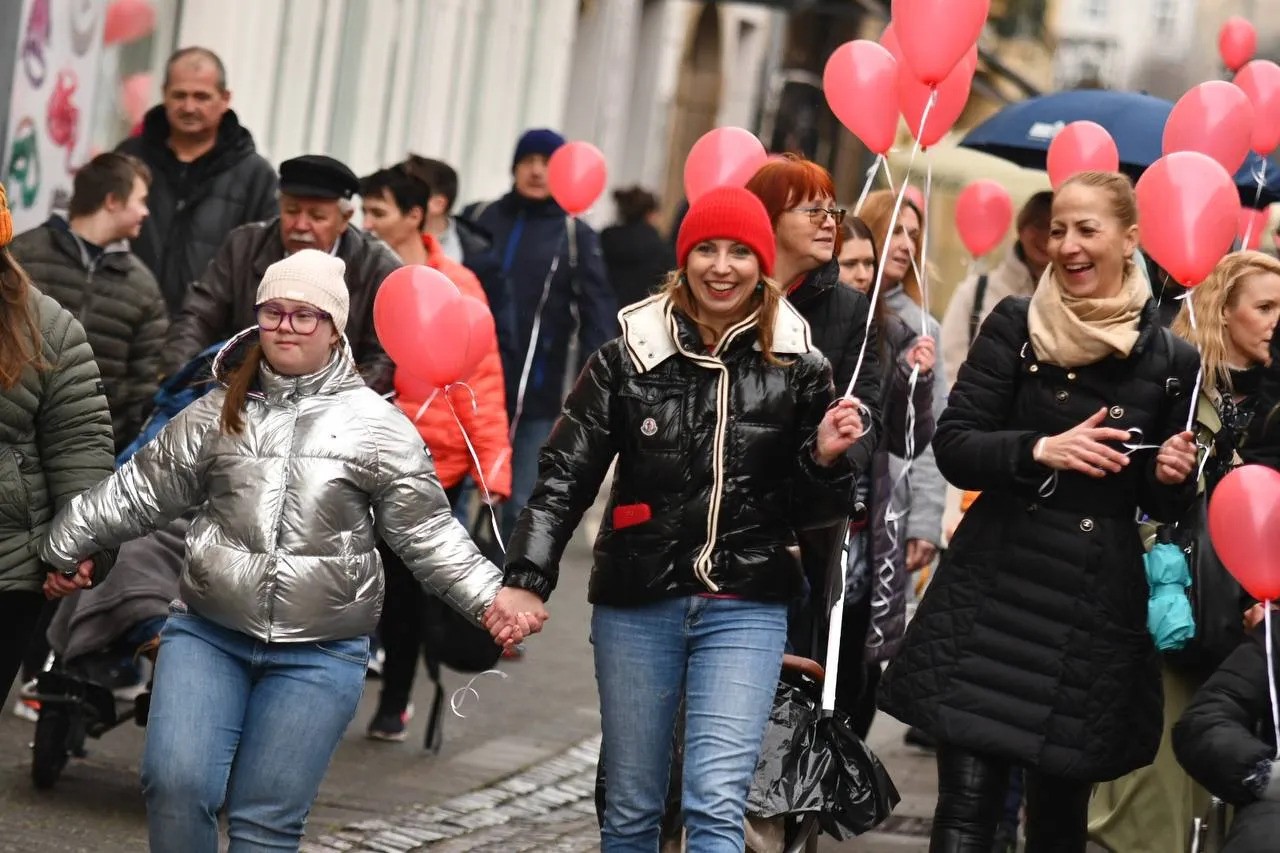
{"points": [[484, 486], [459, 696], [1260, 175], [888, 176], [835, 630], [1271, 676], [534, 334], [884, 250], [1195, 391], [922, 274], [866, 185], [422, 410]]}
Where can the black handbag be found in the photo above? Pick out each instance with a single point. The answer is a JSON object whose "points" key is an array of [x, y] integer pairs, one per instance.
{"points": [[1217, 600]]}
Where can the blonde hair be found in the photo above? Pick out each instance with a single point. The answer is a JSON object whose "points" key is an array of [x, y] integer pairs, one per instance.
{"points": [[876, 212], [676, 288], [1220, 291]]}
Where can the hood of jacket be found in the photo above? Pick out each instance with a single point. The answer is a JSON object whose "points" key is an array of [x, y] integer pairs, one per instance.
{"points": [[233, 144]]}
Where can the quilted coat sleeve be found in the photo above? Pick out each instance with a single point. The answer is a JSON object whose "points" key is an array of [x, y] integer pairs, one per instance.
{"points": [[571, 466], [823, 494], [414, 518], [1161, 502], [160, 482], [974, 450], [1215, 740]]}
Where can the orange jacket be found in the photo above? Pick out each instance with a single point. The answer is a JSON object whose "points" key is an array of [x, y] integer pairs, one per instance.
{"points": [[485, 422]]}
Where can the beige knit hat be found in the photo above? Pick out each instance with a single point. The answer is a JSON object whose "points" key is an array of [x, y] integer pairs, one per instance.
{"points": [[310, 276]]}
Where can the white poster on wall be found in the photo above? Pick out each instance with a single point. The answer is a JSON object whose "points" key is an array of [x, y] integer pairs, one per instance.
{"points": [[54, 84]]}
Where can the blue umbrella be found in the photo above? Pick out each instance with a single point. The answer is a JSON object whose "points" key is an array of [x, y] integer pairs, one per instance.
{"points": [[1021, 133]]}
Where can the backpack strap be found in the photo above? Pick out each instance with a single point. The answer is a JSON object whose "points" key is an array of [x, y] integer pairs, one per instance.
{"points": [[975, 313]]}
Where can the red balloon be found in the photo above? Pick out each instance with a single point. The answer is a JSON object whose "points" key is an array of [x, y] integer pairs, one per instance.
{"points": [[576, 176], [483, 334], [861, 85], [1214, 118], [984, 212], [1260, 80], [135, 96], [1251, 225], [724, 157], [1082, 146], [127, 21], [936, 34], [1237, 42], [953, 97], [421, 321], [1188, 207], [1244, 526], [915, 197]]}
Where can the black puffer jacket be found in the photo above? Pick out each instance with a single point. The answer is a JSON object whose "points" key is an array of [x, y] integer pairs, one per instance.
{"points": [[715, 468], [194, 206], [117, 301], [1031, 643], [221, 302], [1226, 737]]}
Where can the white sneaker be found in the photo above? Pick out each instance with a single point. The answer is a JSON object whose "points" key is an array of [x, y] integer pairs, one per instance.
{"points": [[27, 709]]}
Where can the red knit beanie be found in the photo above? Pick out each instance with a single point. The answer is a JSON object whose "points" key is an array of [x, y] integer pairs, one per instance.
{"points": [[728, 213]]}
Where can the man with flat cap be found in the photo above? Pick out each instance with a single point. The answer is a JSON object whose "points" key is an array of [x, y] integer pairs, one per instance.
{"points": [[315, 195]]}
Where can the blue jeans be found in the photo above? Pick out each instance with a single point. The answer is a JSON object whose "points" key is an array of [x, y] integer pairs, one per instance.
{"points": [[246, 724], [724, 657], [531, 434]]}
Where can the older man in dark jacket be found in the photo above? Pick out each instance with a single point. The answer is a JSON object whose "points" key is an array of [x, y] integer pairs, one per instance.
{"points": [[314, 190], [207, 177], [85, 264]]}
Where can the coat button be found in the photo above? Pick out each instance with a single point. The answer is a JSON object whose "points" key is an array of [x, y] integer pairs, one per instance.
{"points": [[1071, 375], [1086, 524], [1061, 396], [1035, 368], [1117, 412]]}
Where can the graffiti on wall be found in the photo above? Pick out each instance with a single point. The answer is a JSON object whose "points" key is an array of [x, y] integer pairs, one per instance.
{"points": [[59, 51]]}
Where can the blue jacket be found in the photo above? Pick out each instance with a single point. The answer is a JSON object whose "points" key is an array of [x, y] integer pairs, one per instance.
{"points": [[527, 236]]}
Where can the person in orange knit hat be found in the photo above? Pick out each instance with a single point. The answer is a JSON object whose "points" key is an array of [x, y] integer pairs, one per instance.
{"points": [[395, 205]]}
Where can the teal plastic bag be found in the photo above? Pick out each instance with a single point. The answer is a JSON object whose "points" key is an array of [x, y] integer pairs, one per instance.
{"points": [[1169, 616]]}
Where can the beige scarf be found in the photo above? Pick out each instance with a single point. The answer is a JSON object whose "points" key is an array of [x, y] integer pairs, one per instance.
{"points": [[1071, 332]]}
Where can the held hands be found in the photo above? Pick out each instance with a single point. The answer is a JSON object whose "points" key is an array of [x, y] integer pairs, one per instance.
{"points": [[920, 553], [1081, 448], [58, 585], [839, 429], [515, 614], [924, 353], [1176, 459]]}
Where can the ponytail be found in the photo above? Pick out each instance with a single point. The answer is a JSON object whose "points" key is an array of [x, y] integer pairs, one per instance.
{"points": [[238, 389]]}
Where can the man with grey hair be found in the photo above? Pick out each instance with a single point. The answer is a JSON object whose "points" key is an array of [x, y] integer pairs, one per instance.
{"points": [[314, 190], [207, 177]]}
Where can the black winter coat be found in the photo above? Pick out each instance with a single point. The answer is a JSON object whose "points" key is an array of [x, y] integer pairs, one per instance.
{"points": [[221, 303], [479, 256], [194, 206], [1031, 642], [715, 467], [637, 259], [1226, 736], [117, 301]]}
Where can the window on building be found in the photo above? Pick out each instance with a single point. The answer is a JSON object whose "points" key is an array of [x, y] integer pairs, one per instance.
{"points": [[1165, 17], [1096, 10]]}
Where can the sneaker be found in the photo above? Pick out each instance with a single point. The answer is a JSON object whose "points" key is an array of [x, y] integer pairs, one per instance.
{"points": [[27, 709], [390, 726], [376, 661]]}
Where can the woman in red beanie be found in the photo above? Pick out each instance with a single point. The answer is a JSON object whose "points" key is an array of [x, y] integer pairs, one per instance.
{"points": [[719, 411]]}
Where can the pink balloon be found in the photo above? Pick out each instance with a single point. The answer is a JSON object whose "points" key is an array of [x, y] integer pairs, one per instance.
{"points": [[936, 34], [1188, 207], [1214, 118], [724, 157], [953, 97], [861, 85], [421, 321], [1082, 146], [576, 176], [483, 337], [984, 213], [127, 21], [916, 197], [135, 96], [1237, 42], [1252, 224], [1244, 526], [1260, 80]]}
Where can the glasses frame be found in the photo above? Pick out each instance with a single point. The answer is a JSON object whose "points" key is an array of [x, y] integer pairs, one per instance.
{"points": [[288, 315], [817, 215]]}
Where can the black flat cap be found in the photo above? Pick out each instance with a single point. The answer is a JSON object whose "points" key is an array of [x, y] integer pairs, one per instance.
{"points": [[317, 176]]}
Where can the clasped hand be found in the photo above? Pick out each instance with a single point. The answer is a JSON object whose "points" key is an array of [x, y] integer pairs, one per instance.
{"points": [[515, 614], [841, 426], [58, 585]]}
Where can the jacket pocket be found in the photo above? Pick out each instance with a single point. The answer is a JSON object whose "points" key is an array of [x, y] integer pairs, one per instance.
{"points": [[15, 492], [653, 415]]}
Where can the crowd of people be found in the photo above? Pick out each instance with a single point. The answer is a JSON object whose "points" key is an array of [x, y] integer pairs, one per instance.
{"points": [[773, 402]]}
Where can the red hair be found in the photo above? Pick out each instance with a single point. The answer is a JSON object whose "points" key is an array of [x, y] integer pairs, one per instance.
{"points": [[787, 180]]}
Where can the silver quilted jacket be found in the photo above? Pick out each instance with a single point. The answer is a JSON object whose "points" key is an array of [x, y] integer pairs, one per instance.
{"points": [[282, 547]]}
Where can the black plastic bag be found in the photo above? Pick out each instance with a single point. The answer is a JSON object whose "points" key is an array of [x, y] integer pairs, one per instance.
{"points": [[812, 763]]}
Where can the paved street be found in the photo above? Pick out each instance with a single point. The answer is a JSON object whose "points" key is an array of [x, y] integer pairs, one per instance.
{"points": [[515, 774]]}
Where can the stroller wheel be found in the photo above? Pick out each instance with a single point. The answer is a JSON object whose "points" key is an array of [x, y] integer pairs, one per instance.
{"points": [[49, 753]]}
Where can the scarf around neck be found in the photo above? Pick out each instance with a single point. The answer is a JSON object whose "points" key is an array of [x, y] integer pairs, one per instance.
{"points": [[1071, 331]]}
